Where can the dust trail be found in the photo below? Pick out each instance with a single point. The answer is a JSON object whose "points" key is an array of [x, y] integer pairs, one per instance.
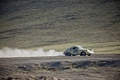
{"points": [[15, 52]]}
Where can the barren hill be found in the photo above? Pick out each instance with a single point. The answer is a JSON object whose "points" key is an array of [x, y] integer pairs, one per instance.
{"points": [[34, 23]]}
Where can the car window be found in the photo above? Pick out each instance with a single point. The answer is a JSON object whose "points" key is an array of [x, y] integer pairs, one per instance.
{"points": [[74, 47]]}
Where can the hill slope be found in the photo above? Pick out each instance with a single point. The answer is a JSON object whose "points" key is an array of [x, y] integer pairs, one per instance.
{"points": [[34, 23]]}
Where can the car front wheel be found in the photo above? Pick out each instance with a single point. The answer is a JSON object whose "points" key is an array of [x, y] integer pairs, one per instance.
{"points": [[89, 54]]}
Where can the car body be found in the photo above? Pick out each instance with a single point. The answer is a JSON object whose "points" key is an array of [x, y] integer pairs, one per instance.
{"points": [[78, 50]]}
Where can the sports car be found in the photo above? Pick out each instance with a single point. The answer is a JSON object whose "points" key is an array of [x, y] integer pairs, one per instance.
{"points": [[78, 50]]}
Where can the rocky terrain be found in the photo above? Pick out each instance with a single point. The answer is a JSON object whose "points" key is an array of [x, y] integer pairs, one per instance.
{"points": [[95, 67]]}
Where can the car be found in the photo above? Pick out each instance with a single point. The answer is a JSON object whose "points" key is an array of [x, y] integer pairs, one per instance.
{"points": [[78, 50]]}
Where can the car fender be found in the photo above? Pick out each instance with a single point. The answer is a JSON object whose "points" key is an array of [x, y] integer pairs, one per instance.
{"points": [[79, 52]]}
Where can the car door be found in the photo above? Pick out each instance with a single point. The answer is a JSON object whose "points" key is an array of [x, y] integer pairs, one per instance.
{"points": [[75, 50]]}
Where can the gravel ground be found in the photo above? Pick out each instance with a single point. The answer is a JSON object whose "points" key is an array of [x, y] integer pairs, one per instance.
{"points": [[95, 67]]}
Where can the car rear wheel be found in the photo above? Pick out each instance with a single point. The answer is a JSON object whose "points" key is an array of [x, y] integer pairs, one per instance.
{"points": [[68, 54], [83, 53]]}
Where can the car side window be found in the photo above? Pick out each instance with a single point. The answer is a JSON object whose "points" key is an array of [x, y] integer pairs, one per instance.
{"points": [[71, 48], [74, 47]]}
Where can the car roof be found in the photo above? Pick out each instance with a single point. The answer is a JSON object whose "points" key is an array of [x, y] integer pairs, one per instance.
{"points": [[79, 47]]}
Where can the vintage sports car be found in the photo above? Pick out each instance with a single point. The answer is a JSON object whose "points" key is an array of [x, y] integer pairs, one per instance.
{"points": [[78, 50]]}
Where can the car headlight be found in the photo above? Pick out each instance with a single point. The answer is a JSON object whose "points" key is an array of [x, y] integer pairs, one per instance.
{"points": [[90, 51]]}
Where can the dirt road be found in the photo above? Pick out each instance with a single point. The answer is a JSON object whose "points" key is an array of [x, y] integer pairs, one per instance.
{"points": [[95, 67]]}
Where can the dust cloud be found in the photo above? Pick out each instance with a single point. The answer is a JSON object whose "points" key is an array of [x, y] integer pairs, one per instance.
{"points": [[7, 52]]}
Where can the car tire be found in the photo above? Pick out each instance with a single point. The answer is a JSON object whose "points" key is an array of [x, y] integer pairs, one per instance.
{"points": [[68, 54], [89, 54], [83, 53]]}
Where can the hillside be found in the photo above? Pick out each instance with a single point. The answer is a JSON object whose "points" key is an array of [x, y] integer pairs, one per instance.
{"points": [[36, 23]]}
